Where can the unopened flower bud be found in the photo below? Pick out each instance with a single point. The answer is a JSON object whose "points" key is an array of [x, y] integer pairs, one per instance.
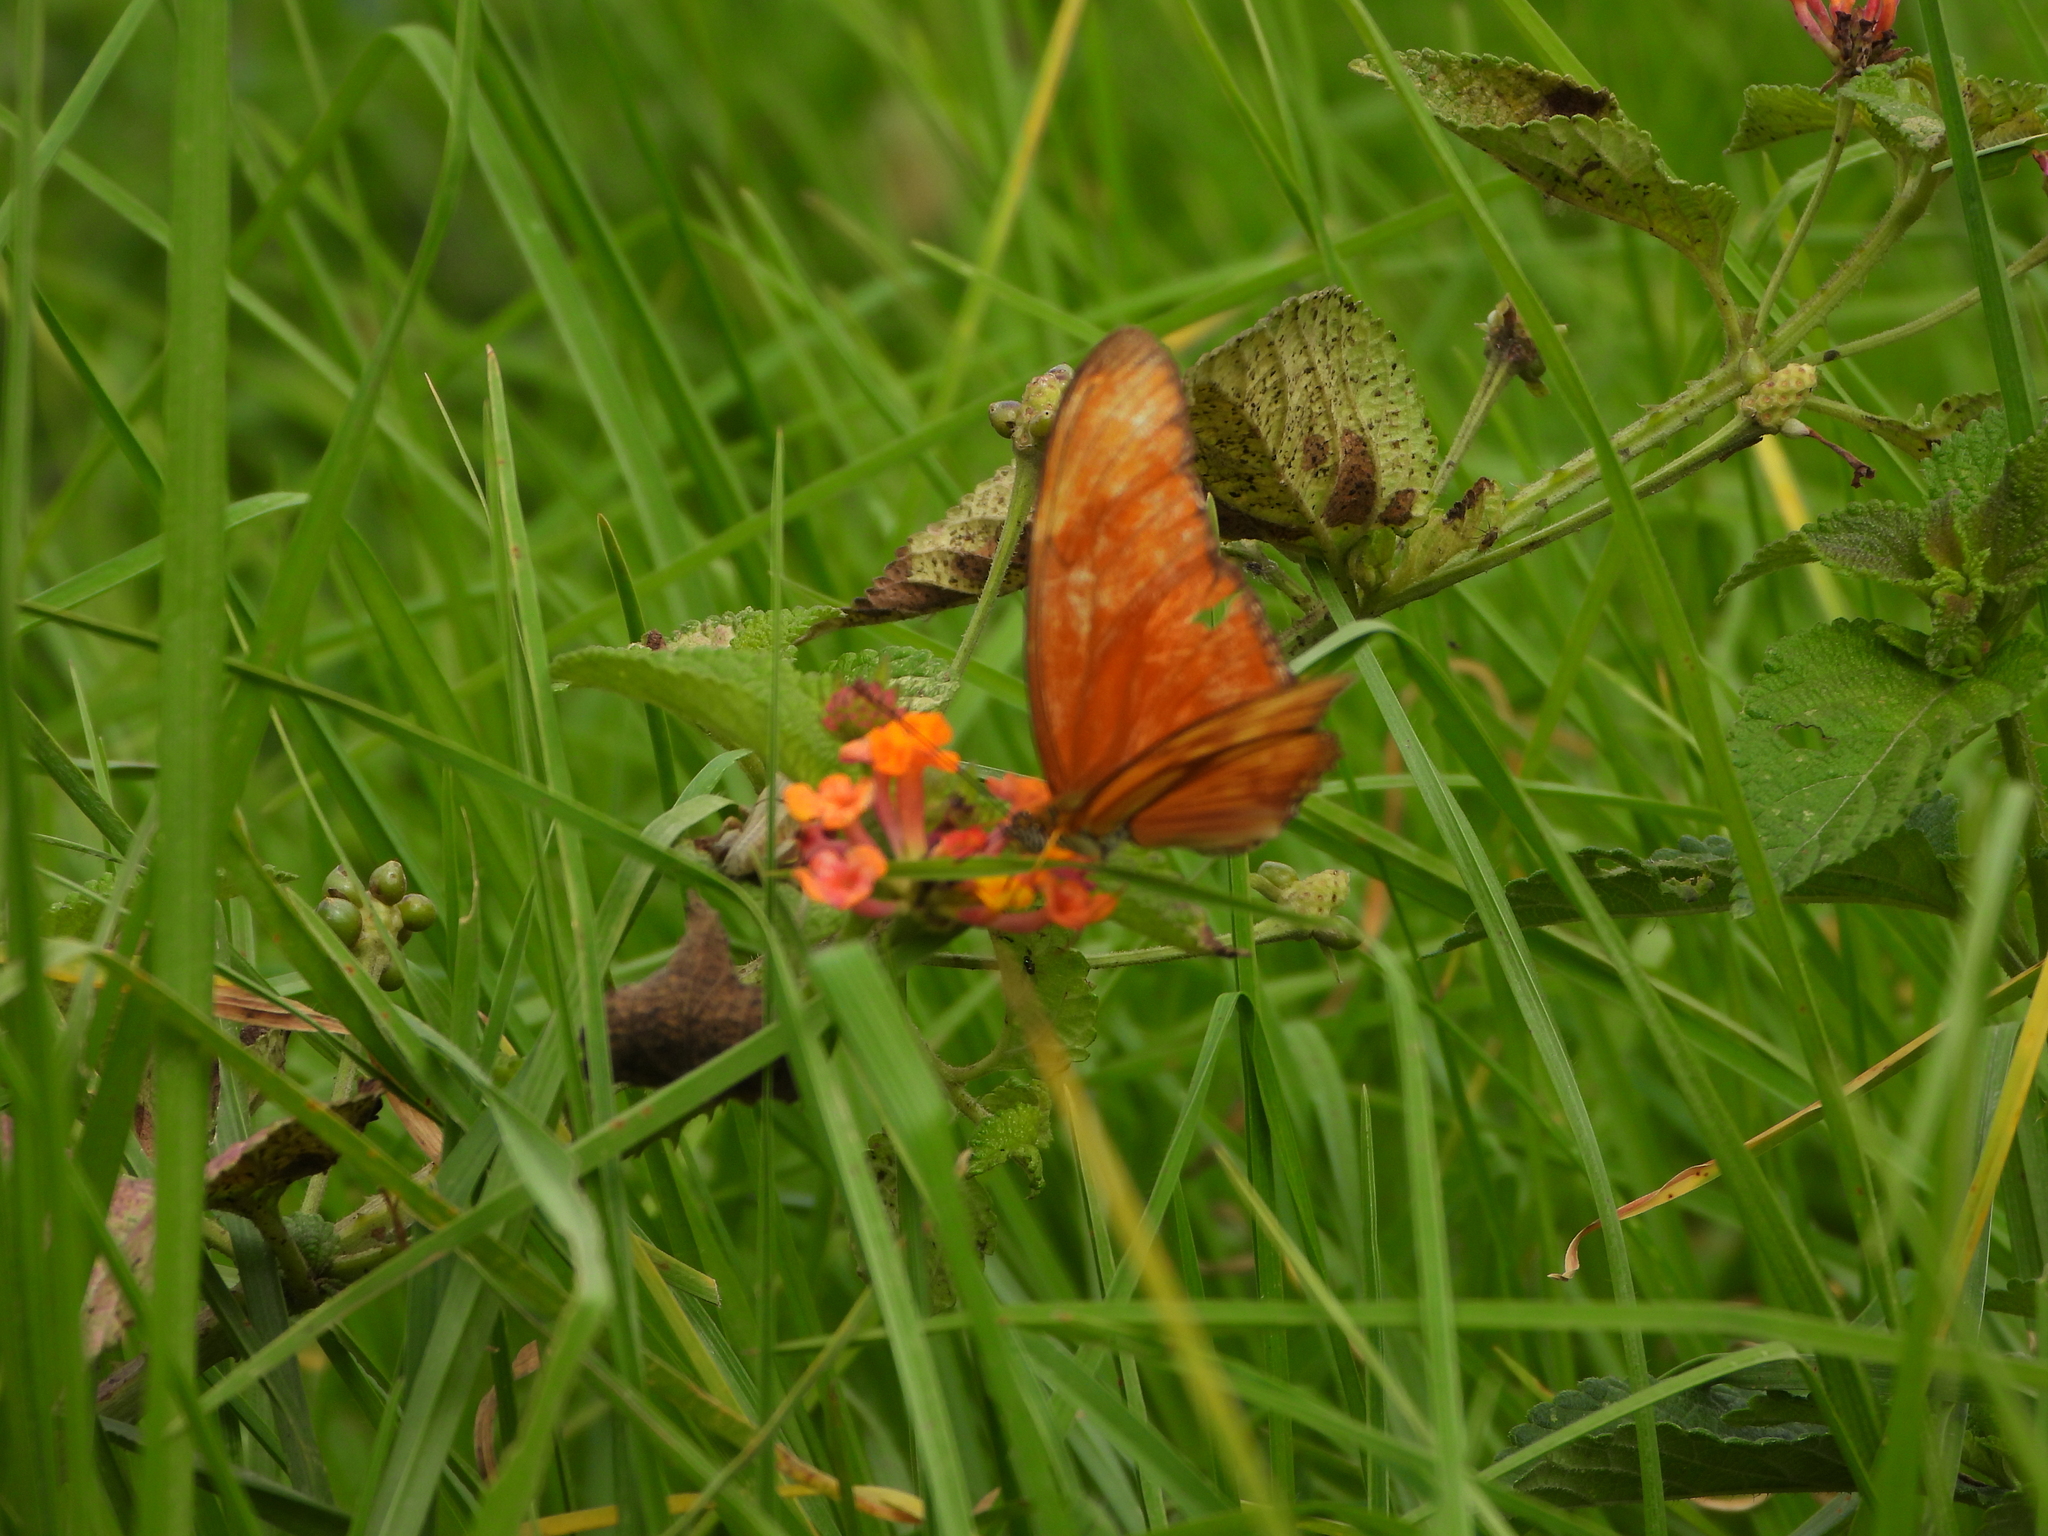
{"points": [[344, 917], [1777, 400], [387, 882], [417, 913]]}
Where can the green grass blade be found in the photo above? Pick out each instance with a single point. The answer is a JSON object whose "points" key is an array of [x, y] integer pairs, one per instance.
{"points": [[189, 750]]}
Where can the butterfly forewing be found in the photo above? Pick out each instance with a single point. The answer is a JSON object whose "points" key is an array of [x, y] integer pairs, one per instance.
{"points": [[1145, 650]]}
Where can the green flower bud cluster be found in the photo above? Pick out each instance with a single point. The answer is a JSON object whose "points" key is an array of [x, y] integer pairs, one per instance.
{"points": [[364, 915], [1028, 422], [1777, 399]]}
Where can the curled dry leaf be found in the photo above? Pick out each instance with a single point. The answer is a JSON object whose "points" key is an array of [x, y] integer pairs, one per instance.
{"points": [[245, 1177], [131, 1221], [686, 1013], [945, 564], [484, 1434]]}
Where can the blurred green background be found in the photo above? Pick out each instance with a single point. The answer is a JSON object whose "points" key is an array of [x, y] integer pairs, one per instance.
{"points": [[799, 191]]}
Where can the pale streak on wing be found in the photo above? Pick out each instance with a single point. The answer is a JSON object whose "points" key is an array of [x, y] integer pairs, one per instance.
{"points": [[1123, 565]]}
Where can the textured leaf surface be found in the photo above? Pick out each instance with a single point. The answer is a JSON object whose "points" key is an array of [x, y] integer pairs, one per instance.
{"points": [[944, 564], [1018, 1130], [1897, 105], [1842, 735], [1574, 143], [1701, 875], [1884, 540], [1794, 549], [1045, 981], [1774, 113], [723, 692], [1756, 1430], [1310, 419], [1728, 1437], [917, 676]]}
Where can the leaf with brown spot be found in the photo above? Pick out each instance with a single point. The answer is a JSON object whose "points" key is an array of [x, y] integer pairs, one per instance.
{"points": [[944, 564], [1574, 143], [689, 1011], [1310, 422], [245, 1177]]}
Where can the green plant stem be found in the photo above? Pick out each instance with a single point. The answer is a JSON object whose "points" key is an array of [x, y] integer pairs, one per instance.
{"points": [[1490, 385], [2024, 768], [2000, 327], [1909, 202], [1030, 464], [1728, 440], [636, 628], [1845, 119], [1962, 304]]}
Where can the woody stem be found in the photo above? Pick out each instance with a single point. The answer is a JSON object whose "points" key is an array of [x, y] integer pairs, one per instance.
{"points": [[1023, 494]]}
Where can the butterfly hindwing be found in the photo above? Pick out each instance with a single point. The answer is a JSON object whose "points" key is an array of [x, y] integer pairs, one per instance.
{"points": [[1159, 698]]}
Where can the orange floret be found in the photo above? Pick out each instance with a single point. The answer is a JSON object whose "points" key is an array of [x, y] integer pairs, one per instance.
{"points": [[836, 802], [908, 744], [1021, 792]]}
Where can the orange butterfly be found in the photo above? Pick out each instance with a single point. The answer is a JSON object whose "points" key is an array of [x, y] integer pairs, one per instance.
{"points": [[1149, 718]]}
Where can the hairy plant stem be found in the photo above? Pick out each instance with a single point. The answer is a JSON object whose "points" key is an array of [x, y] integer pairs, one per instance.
{"points": [[1731, 439], [1845, 119], [1490, 385], [1908, 205], [1023, 494], [1962, 304], [2023, 767]]}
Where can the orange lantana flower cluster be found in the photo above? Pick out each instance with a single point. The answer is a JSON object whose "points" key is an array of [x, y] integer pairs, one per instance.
{"points": [[842, 864]]}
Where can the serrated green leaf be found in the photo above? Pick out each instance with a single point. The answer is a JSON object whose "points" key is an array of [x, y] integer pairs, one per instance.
{"points": [[1896, 104], [918, 676], [1792, 550], [1773, 113], [2004, 112], [746, 629], [1884, 540], [1755, 1430], [1967, 464], [1018, 1130], [724, 693], [1310, 420], [2016, 514], [1841, 735], [1574, 143], [1701, 876], [1045, 982], [1705, 1451]]}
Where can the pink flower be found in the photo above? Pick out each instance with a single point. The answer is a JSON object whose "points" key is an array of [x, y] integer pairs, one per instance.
{"points": [[841, 875], [1855, 34]]}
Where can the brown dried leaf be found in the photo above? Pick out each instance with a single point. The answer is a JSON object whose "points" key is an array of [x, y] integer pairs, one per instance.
{"points": [[945, 564], [686, 1013], [131, 1219], [244, 1177]]}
